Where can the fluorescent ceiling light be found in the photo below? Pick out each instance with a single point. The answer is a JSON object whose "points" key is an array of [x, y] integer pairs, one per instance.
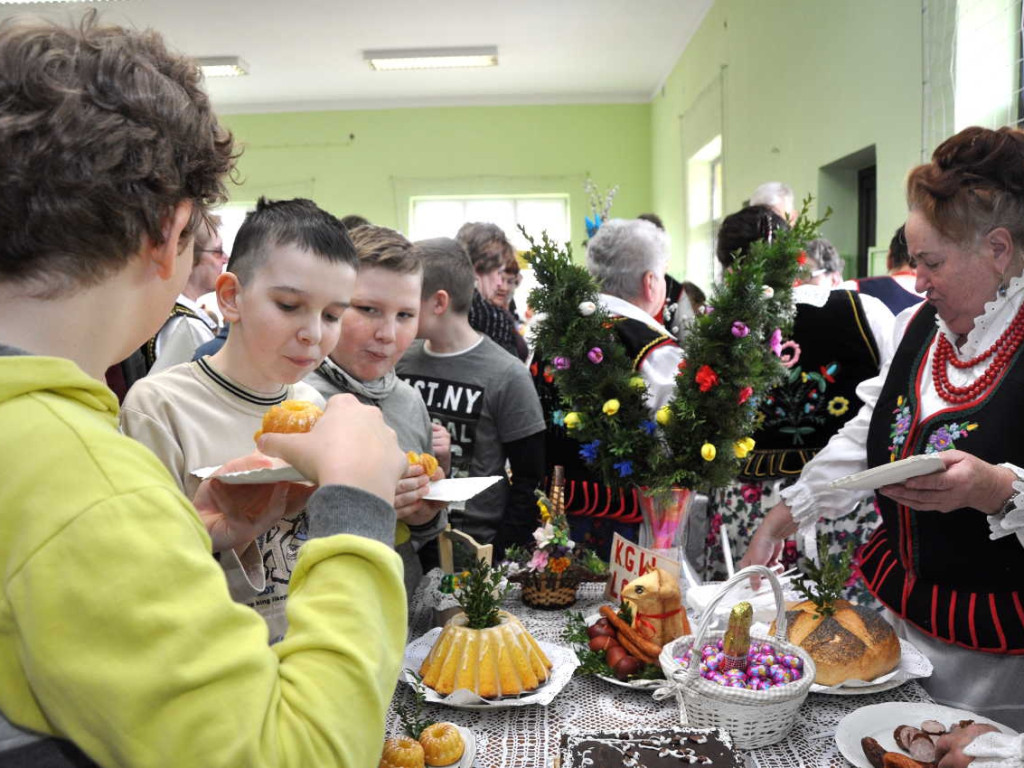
{"points": [[41, 2], [432, 58], [223, 66]]}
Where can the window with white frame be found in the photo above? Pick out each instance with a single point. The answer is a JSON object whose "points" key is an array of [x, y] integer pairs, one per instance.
{"points": [[442, 216], [704, 211]]}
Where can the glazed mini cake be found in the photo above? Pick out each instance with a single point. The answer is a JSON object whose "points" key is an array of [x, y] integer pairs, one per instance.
{"points": [[650, 749]]}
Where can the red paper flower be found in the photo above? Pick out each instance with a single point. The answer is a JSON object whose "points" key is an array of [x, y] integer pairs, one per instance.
{"points": [[682, 365], [706, 378], [745, 393], [801, 258]]}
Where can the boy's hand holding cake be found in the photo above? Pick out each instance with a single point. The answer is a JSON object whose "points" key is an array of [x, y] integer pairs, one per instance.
{"points": [[421, 469], [327, 455]]}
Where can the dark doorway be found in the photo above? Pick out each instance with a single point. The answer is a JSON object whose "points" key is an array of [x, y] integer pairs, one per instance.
{"points": [[866, 215]]}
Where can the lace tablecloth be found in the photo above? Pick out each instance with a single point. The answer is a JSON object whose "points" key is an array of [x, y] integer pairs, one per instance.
{"points": [[527, 737]]}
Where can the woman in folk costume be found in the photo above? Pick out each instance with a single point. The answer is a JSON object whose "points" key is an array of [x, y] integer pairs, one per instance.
{"points": [[948, 559]]}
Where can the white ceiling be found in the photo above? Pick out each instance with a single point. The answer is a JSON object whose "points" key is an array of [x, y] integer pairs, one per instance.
{"points": [[307, 54]]}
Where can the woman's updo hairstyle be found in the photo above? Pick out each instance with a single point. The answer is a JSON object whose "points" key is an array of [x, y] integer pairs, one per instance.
{"points": [[739, 230], [974, 184]]}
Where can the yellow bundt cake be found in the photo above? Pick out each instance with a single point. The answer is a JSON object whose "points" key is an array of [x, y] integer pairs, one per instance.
{"points": [[503, 660], [442, 744], [402, 752]]}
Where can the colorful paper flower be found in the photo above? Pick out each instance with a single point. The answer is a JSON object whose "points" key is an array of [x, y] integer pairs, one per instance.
{"points": [[545, 513], [588, 451], [663, 415], [539, 561], [544, 535], [558, 418], [595, 355], [587, 308], [706, 378], [624, 468], [637, 383], [801, 258], [789, 353], [561, 363], [775, 342], [739, 330], [708, 452], [648, 426], [611, 407], [572, 420], [558, 564], [743, 447], [744, 395], [768, 291]]}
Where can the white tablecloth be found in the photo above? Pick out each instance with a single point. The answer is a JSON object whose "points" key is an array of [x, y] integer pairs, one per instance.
{"points": [[527, 737]]}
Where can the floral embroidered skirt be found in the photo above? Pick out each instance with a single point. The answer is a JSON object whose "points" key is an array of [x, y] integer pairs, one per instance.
{"points": [[740, 508]]}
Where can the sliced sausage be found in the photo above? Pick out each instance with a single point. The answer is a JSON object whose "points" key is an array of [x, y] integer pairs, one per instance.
{"points": [[933, 727], [922, 748], [873, 751]]}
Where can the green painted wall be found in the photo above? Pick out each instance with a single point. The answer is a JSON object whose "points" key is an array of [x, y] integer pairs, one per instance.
{"points": [[804, 84], [464, 150]]}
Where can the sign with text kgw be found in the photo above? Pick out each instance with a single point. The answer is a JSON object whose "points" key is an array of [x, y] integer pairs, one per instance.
{"points": [[630, 561]]}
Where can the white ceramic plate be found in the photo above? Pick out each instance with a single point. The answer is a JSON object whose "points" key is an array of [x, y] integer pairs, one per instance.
{"points": [[880, 720], [563, 664], [888, 474], [636, 685], [913, 664]]}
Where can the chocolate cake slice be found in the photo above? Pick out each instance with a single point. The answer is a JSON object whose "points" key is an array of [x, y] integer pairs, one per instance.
{"points": [[670, 748]]}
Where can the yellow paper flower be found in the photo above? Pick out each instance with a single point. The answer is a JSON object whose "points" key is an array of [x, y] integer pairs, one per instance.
{"points": [[572, 420], [637, 383], [611, 407], [742, 447], [837, 406], [663, 415], [708, 452]]}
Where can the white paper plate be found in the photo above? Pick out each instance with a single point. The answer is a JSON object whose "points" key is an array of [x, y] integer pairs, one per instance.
{"points": [[888, 474], [880, 720], [913, 664], [450, 489], [563, 664]]}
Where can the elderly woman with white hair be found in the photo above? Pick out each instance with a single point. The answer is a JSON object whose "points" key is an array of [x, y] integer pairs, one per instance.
{"points": [[628, 259]]}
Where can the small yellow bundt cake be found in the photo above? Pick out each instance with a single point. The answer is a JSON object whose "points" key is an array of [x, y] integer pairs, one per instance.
{"points": [[503, 660], [289, 416], [442, 744], [402, 752], [425, 460]]}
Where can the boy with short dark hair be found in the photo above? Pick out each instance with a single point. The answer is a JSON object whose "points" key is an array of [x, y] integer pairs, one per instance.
{"points": [[119, 644], [482, 395], [378, 326], [289, 279]]}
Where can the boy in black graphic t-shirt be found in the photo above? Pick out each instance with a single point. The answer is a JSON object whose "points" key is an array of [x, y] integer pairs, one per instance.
{"points": [[482, 395]]}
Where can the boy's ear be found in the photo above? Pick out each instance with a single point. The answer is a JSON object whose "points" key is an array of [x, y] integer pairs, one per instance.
{"points": [[441, 301], [165, 255], [228, 292]]}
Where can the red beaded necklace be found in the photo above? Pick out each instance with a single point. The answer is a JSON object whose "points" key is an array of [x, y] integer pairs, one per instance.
{"points": [[1002, 350]]}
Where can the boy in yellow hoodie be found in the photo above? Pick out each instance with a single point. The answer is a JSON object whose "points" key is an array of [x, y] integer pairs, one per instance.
{"points": [[119, 643]]}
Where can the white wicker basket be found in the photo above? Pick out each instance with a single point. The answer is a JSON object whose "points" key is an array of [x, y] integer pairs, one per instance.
{"points": [[753, 718]]}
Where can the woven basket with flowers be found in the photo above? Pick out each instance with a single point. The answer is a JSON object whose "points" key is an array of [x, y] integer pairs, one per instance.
{"points": [[550, 573]]}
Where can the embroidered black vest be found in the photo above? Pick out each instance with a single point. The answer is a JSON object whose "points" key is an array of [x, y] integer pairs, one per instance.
{"points": [[798, 417], [940, 571], [149, 348], [585, 492]]}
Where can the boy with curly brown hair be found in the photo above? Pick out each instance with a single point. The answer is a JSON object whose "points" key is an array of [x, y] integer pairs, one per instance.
{"points": [[119, 644]]}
